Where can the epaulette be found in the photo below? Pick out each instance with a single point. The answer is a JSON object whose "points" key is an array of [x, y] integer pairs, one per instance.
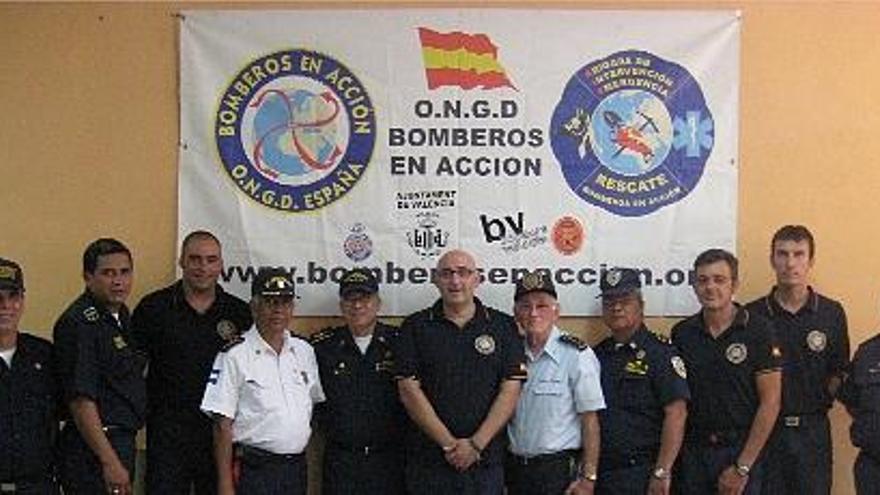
{"points": [[322, 335], [238, 339], [661, 337], [298, 336], [91, 314], [573, 340]]}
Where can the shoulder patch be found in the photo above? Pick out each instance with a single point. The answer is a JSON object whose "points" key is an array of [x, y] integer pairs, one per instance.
{"points": [[574, 340], [238, 339], [91, 314]]}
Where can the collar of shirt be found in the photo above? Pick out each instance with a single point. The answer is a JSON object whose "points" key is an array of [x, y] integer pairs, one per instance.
{"points": [[551, 347], [636, 342], [481, 314], [774, 308], [740, 320], [258, 344]]}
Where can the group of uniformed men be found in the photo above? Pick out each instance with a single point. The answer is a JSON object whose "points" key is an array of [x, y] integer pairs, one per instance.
{"points": [[736, 403]]}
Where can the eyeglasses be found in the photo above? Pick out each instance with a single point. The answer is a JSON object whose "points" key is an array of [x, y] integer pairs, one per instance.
{"points": [[614, 301], [528, 308], [448, 273]]}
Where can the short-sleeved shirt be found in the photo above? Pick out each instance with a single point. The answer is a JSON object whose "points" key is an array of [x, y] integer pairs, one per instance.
{"points": [[721, 372], [639, 378], [362, 407], [460, 370], [861, 394], [95, 359], [269, 396], [27, 411], [181, 344], [815, 347], [563, 383]]}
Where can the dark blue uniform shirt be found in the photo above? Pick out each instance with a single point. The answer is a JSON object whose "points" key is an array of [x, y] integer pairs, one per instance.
{"points": [[815, 348], [861, 394], [460, 370], [95, 359], [722, 371], [639, 378], [362, 407], [181, 344], [27, 411]]}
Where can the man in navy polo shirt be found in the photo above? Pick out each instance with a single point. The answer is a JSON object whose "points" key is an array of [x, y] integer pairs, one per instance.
{"points": [[734, 374], [812, 333], [460, 366]]}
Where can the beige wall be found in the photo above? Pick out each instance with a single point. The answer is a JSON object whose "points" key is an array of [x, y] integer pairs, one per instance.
{"points": [[89, 136]]}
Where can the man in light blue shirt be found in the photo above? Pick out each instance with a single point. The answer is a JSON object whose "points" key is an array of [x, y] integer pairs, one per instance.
{"points": [[554, 433]]}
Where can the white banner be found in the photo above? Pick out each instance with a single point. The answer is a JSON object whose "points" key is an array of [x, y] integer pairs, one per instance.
{"points": [[573, 141]]}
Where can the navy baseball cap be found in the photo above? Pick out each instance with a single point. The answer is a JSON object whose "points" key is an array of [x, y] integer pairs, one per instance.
{"points": [[358, 280], [11, 277], [619, 282], [536, 281], [273, 282]]}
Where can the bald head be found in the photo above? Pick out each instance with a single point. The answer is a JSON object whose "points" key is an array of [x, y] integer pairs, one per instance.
{"points": [[457, 278]]}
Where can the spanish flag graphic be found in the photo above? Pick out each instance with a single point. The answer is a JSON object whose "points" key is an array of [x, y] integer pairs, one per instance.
{"points": [[459, 59]]}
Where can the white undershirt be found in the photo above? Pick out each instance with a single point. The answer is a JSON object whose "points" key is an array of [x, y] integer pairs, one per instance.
{"points": [[7, 356], [363, 342]]}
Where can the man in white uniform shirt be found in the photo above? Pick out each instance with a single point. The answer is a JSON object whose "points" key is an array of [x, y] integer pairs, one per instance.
{"points": [[554, 433], [261, 391]]}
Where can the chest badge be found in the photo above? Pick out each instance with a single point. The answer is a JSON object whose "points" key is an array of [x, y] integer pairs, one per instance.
{"points": [[679, 367], [226, 330], [637, 367], [119, 342], [736, 353], [484, 344], [817, 340]]}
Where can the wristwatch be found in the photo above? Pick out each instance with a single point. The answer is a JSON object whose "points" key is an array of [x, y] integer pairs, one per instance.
{"points": [[661, 473], [591, 477], [742, 469]]}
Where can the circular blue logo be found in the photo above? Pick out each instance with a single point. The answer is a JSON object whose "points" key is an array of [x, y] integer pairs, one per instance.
{"points": [[295, 130], [632, 133]]}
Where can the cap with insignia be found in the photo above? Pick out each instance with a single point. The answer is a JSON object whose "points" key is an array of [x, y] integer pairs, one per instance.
{"points": [[619, 282], [11, 277], [358, 280], [536, 281], [272, 282]]}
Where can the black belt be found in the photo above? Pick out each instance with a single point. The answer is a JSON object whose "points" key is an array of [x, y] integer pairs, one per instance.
{"points": [[255, 455], [11, 486], [798, 420], [365, 450], [721, 438], [614, 462], [537, 460]]}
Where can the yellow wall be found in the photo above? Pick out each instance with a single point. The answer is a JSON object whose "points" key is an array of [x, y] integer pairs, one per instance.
{"points": [[89, 136]]}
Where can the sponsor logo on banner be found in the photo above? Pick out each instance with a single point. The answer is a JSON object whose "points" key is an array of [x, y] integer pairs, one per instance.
{"points": [[357, 245], [461, 60], [511, 233], [632, 133], [428, 238], [295, 130], [568, 235], [426, 200]]}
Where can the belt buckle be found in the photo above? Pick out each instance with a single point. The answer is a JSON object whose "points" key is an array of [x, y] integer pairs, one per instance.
{"points": [[7, 488], [792, 421]]}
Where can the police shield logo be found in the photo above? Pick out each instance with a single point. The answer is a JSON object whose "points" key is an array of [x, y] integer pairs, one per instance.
{"points": [[226, 329], [736, 353], [484, 344], [817, 340]]}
